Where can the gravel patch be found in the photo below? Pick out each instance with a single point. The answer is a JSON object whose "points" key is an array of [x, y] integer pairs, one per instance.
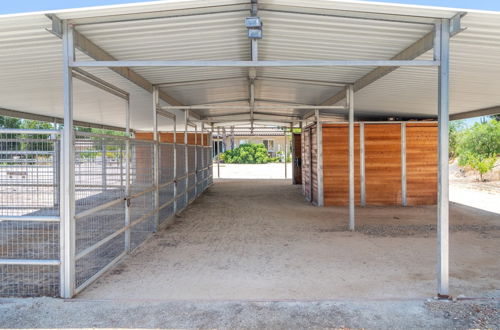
{"points": [[468, 315]]}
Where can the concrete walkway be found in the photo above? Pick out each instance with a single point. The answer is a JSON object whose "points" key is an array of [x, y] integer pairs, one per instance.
{"points": [[259, 240]]}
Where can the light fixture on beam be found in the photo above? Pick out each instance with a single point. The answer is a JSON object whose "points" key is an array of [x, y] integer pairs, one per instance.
{"points": [[253, 22], [255, 34], [254, 26]]}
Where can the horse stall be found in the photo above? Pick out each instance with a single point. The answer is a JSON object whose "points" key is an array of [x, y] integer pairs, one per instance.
{"points": [[395, 163]]}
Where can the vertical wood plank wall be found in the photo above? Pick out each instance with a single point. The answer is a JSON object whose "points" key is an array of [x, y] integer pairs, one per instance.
{"points": [[336, 164], [421, 163], [168, 137], [306, 163], [383, 182], [314, 165], [297, 158], [383, 164]]}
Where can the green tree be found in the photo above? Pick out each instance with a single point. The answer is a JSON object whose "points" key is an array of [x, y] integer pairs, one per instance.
{"points": [[248, 153], [479, 146], [9, 122], [456, 130]]}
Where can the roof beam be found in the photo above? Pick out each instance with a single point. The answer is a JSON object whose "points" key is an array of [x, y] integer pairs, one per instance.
{"points": [[86, 46], [415, 50], [161, 14], [52, 119], [350, 14], [476, 113], [250, 64]]}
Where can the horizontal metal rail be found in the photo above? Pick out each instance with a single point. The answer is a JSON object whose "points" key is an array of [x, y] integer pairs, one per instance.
{"points": [[26, 152], [106, 136], [257, 107], [163, 185], [251, 64], [142, 192], [28, 262], [28, 131], [104, 206], [99, 273], [108, 238], [31, 218]]}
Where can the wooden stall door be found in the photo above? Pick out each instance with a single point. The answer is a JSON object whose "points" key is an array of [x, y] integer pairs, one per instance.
{"points": [[297, 158], [383, 164], [306, 164]]}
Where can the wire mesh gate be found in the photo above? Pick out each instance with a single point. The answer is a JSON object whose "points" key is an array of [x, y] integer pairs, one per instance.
{"points": [[114, 200]]}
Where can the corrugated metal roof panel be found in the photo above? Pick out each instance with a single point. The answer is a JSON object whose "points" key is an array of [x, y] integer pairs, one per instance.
{"points": [[31, 65]]}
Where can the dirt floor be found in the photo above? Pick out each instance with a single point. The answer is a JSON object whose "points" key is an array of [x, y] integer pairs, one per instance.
{"points": [[253, 171], [411, 314], [259, 240]]}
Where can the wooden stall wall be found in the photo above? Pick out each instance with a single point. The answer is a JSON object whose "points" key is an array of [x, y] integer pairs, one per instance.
{"points": [[383, 164], [336, 164], [306, 163], [421, 163], [168, 137], [297, 158], [314, 164]]}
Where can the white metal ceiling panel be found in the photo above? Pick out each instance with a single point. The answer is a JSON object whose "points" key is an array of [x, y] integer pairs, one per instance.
{"points": [[31, 65]]}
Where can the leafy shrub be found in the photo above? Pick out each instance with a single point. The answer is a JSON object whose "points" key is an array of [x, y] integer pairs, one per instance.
{"points": [[481, 139], [479, 146], [481, 164], [248, 153]]}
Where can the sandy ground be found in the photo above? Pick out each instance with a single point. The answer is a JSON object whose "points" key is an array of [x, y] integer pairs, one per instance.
{"points": [[259, 240], [466, 189], [253, 171], [261, 257]]}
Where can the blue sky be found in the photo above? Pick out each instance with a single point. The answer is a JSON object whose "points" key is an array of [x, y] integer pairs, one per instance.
{"points": [[9, 7]]}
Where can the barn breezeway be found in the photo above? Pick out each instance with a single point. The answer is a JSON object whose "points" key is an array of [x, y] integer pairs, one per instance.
{"points": [[260, 240], [138, 93]]}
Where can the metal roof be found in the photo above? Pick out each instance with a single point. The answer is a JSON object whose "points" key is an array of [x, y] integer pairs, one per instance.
{"points": [[31, 58]]}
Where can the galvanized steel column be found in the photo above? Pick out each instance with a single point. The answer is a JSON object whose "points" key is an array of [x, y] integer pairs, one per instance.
{"points": [[175, 164], [186, 155], [403, 164], [319, 158], [127, 177], [156, 169], [67, 195], [219, 150], [443, 188], [285, 151], [351, 157]]}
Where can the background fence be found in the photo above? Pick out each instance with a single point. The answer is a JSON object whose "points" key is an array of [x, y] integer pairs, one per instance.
{"points": [[29, 212], [117, 203]]}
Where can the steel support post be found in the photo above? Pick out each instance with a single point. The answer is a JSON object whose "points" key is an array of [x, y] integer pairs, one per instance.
{"points": [[127, 176], [219, 150], [67, 196], [302, 153], [186, 155], [292, 152], [319, 155], [175, 164], [195, 161], [443, 188], [202, 160], [362, 183], [285, 151], [404, 201], [156, 169], [351, 157], [104, 178]]}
